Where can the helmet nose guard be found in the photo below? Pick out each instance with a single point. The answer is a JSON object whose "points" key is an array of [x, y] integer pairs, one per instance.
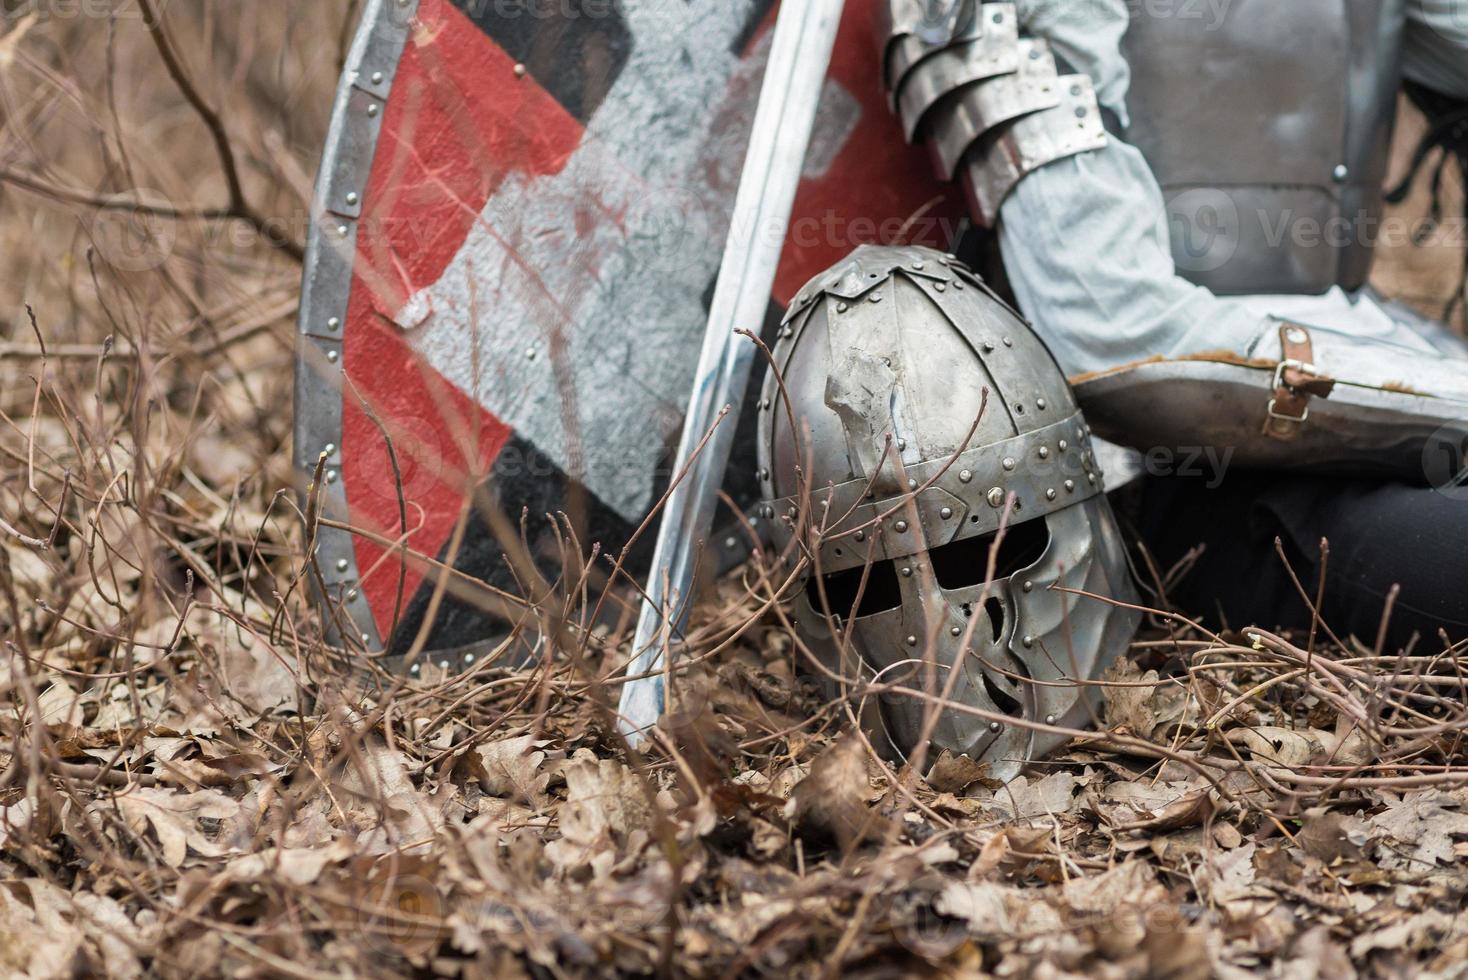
{"points": [[922, 448]]}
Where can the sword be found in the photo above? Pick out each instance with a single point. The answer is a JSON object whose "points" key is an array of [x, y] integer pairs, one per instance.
{"points": [[800, 54]]}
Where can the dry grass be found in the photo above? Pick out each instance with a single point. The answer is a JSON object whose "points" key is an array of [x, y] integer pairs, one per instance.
{"points": [[191, 785]]}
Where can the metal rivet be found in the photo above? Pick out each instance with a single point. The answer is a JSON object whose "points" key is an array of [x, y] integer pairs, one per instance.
{"points": [[791, 513], [1049, 719], [1064, 445], [1028, 641], [995, 727], [912, 484], [331, 476], [996, 497], [860, 535], [1341, 173], [965, 476], [366, 640], [377, 78], [1008, 341], [1009, 463], [415, 670], [520, 70], [342, 564], [918, 266], [988, 347], [900, 527], [468, 659], [342, 231], [352, 198], [1091, 477], [876, 297], [1040, 404], [946, 513], [1044, 452], [1297, 336], [955, 631], [958, 284], [1080, 112], [333, 356], [912, 641], [333, 323], [530, 353], [940, 287], [328, 449], [901, 445], [842, 307], [352, 595], [730, 543], [372, 109], [1070, 486], [906, 572], [1050, 494], [789, 332], [443, 665], [1028, 586]]}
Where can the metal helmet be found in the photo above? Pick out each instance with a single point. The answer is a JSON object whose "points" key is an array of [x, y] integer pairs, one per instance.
{"points": [[914, 432]]}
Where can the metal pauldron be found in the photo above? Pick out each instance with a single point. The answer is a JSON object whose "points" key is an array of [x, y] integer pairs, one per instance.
{"points": [[991, 106]]}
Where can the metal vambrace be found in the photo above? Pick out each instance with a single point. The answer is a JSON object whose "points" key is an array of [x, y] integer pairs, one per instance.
{"points": [[1301, 398], [991, 106]]}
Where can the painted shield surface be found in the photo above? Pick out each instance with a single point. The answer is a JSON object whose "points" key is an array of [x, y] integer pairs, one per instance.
{"points": [[521, 212]]}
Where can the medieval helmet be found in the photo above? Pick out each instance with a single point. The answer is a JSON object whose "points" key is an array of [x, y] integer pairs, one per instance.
{"points": [[922, 448]]}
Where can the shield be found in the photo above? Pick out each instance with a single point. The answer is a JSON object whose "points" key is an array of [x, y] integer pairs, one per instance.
{"points": [[520, 215]]}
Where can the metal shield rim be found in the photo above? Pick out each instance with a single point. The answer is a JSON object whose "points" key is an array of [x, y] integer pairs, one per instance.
{"points": [[331, 246]]}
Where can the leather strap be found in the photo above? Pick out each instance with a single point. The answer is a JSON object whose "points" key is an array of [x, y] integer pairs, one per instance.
{"points": [[1296, 381]]}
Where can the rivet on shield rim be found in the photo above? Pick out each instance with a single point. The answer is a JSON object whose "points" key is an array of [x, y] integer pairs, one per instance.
{"points": [[342, 564], [333, 323], [352, 198], [372, 109], [520, 70], [333, 356], [328, 449], [331, 476], [377, 78], [996, 497]]}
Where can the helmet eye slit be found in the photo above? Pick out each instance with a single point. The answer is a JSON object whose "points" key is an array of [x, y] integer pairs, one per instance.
{"points": [[843, 590], [962, 564]]}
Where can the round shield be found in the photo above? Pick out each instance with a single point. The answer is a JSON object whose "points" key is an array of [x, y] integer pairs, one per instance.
{"points": [[520, 215]]}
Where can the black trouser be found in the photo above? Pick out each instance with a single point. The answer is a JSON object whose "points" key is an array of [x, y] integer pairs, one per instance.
{"points": [[1380, 535]]}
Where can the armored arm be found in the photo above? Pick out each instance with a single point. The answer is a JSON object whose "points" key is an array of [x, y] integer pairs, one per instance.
{"points": [[1096, 262]]}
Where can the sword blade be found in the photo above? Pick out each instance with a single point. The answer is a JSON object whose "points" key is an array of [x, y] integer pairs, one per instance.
{"points": [[800, 55]]}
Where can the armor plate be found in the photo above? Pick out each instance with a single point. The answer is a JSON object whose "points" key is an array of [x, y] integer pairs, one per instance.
{"points": [[1268, 130]]}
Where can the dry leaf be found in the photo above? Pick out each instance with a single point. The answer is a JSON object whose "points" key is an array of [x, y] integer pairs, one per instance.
{"points": [[512, 769], [832, 799], [175, 818]]}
